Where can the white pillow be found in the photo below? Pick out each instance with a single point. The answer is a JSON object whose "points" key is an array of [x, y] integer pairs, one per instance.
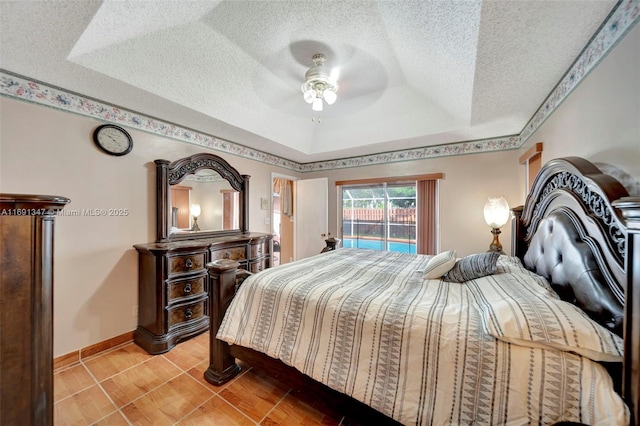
{"points": [[439, 265]]}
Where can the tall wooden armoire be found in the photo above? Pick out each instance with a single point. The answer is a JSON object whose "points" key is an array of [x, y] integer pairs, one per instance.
{"points": [[26, 308]]}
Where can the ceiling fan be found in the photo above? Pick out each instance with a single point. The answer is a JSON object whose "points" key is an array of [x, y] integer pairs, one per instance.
{"points": [[320, 83]]}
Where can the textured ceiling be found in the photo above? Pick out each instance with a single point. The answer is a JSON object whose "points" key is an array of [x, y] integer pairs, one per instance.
{"points": [[412, 73]]}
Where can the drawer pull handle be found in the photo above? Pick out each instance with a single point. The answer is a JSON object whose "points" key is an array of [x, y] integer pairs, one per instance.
{"points": [[188, 263], [187, 288], [227, 255], [188, 313], [259, 249]]}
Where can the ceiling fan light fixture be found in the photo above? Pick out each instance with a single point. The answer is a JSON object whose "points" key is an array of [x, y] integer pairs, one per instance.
{"points": [[309, 96], [329, 96], [317, 104], [319, 84]]}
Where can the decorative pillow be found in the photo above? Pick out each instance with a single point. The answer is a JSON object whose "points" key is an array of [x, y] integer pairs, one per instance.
{"points": [[472, 267], [541, 322], [439, 265]]}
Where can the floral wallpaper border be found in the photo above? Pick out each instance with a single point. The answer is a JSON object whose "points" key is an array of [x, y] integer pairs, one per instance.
{"points": [[618, 24], [620, 21]]}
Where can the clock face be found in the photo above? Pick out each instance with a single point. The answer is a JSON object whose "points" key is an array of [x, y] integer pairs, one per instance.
{"points": [[113, 140]]}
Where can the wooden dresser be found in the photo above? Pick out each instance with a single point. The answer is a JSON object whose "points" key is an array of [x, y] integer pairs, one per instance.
{"points": [[173, 287], [26, 308], [173, 283]]}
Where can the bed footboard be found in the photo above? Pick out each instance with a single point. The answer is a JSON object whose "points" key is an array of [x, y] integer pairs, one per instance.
{"points": [[225, 279]]}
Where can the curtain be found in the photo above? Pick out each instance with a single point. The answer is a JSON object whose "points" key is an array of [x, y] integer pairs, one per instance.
{"points": [[427, 200], [283, 188]]}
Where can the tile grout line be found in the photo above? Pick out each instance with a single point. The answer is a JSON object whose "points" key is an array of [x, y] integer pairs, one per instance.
{"points": [[119, 371], [187, 372], [153, 389], [176, 365], [95, 382], [98, 383], [223, 399], [218, 394], [106, 394], [274, 407], [181, 372], [89, 357], [192, 411], [126, 419], [238, 410]]}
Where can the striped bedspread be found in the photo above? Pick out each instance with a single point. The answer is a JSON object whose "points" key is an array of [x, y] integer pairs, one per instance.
{"points": [[426, 352]]}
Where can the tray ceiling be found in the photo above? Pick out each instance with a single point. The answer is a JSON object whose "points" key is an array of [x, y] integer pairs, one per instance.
{"points": [[412, 73]]}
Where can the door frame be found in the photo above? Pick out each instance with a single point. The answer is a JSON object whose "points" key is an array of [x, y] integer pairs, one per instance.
{"points": [[271, 218]]}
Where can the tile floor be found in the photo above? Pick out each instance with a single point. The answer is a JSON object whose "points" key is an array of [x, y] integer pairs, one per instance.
{"points": [[126, 386]]}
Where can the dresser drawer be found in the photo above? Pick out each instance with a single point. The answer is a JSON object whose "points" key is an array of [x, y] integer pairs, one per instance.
{"points": [[185, 313], [233, 253], [258, 265], [186, 263], [186, 288], [259, 249]]}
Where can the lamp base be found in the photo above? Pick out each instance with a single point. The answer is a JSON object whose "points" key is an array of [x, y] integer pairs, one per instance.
{"points": [[495, 244], [195, 226]]}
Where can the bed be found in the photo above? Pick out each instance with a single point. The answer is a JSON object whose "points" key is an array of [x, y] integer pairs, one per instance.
{"points": [[546, 335]]}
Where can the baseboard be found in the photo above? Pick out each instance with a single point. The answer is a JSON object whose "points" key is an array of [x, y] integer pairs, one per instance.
{"points": [[67, 360]]}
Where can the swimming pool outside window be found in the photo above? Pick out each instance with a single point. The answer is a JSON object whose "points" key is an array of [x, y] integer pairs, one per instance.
{"points": [[380, 216]]}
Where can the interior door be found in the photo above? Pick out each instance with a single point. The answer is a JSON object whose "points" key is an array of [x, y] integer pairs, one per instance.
{"points": [[180, 206], [229, 209], [311, 198]]}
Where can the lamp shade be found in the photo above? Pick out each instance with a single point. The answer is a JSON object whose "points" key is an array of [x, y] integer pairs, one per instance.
{"points": [[496, 212], [330, 96], [317, 104], [309, 96], [195, 210]]}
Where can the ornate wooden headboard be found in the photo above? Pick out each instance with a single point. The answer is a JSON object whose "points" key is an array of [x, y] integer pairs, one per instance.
{"points": [[581, 230]]}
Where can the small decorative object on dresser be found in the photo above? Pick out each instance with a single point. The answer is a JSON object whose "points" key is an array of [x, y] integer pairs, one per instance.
{"points": [[112, 139], [26, 307], [173, 287]]}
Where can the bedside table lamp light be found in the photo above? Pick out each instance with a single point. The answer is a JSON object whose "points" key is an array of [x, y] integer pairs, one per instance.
{"points": [[496, 214], [195, 212]]}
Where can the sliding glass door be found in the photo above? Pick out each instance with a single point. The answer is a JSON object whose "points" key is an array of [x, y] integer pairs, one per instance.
{"points": [[380, 216]]}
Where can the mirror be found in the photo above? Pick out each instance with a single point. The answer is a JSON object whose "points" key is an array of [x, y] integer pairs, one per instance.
{"points": [[200, 196], [203, 201]]}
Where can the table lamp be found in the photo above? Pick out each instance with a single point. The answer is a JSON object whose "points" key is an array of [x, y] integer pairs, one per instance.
{"points": [[195, 212], [496, 214]]}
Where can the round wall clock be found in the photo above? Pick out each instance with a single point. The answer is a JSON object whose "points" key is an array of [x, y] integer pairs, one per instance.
{"points": [[112, 139]]}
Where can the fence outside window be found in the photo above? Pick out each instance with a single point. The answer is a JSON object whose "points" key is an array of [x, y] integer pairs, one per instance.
{"points": [[379, 221]]}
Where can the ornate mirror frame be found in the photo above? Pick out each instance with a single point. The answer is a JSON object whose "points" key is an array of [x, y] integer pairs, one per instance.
{"points": [[172, 173]]}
